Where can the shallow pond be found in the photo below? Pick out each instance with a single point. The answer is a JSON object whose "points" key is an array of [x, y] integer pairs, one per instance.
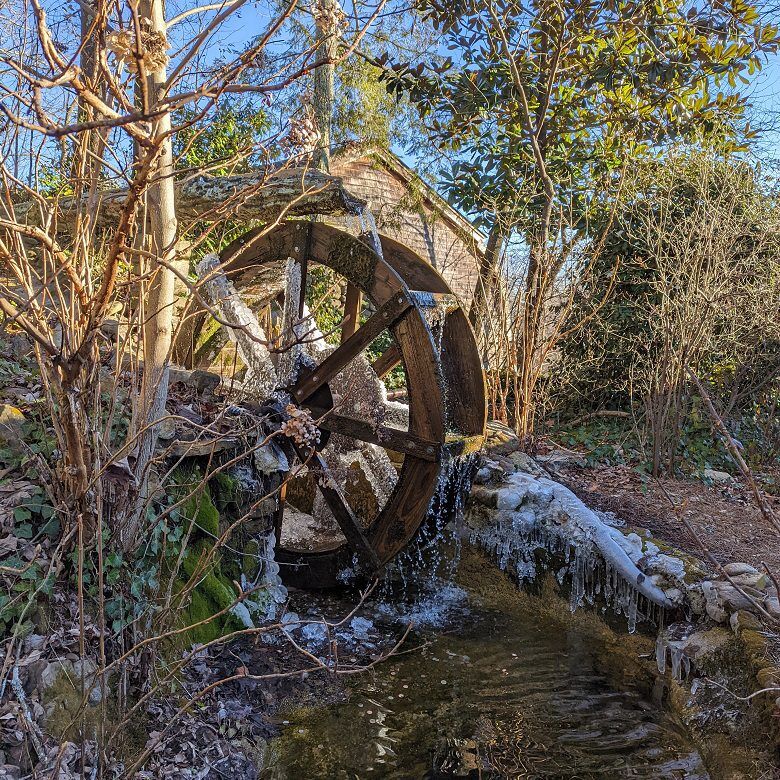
{"points": [[497, 693]]}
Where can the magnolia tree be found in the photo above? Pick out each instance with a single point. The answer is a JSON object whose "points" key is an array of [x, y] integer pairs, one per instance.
{"points": [[539, 106]]}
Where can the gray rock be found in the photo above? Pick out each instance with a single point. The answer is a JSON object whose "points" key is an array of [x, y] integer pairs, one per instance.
{"points": [[270, 458], [34, 642], [484, 495], [718, 477], [701, 644], [73, 671], [736, 569], [522, 461], [743, 619], [166, 429], [755, 581]]}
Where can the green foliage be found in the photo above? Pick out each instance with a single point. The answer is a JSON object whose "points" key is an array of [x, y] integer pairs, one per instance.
{"points": [[224, 142], [620, 335], [615, 442], [603, 81]]}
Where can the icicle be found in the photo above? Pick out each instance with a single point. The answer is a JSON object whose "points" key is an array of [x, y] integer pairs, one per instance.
{"points": [[633, 607], [676, 654], [246, 333], [373, 232], [660, 653]]}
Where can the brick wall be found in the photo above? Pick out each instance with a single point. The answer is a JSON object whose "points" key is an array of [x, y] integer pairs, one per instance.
{"points": [[414, 222]]}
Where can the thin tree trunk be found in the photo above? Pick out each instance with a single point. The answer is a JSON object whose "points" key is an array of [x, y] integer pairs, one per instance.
{"points": [[488, 273], [160, 298], [324, 82]]}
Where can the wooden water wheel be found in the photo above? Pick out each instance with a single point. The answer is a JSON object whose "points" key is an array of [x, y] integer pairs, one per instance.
{"points": [[398, 300]]}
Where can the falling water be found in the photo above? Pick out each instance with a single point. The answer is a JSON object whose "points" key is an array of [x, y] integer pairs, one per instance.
{"points": [[418, 584], [368, 226]]}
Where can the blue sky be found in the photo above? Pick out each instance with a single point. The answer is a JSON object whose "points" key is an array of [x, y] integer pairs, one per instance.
{"points": [[765, 95]]}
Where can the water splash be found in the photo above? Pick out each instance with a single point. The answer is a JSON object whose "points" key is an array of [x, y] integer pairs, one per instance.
{"points": [[418, 583]]}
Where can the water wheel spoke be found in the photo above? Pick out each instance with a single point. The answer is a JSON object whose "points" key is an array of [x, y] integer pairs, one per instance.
{"points": [[348, 521], [383, 318], [381, 435], [387, 361], [352, 307]]}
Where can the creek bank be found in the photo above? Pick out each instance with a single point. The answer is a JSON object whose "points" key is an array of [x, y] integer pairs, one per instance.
{"points": [[711, 643]]}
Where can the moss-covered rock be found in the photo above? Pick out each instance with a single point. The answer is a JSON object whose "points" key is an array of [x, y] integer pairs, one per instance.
{"points": [[200, 510]]}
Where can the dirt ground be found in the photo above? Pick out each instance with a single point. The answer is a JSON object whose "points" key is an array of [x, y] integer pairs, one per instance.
{"points": [[724, 517]]}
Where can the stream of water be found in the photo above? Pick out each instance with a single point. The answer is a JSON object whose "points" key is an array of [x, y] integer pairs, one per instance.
{"points": [[501, 692]]}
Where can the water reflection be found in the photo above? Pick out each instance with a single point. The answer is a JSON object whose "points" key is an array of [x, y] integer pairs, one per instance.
{"points": [[496, 696]]}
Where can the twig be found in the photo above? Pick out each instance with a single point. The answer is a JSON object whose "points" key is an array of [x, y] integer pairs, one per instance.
{"points": [[753, 695], [32, 728], [717, 420]]}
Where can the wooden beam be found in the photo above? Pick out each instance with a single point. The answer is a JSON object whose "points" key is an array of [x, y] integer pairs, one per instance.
{"points": [[352, 306], [348, 521], [390, 438], [387, 361], [382, 318]]}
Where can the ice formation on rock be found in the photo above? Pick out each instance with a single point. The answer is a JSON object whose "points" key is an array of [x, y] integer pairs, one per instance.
{"points": [[532, 514]]}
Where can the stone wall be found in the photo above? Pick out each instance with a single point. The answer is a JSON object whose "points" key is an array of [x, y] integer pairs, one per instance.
{"points": [[405, 212]]}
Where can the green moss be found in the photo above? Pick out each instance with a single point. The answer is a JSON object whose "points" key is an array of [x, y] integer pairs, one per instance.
{"points": [[213, 592], [200, 609], [226, 490], [211, 339], [201, 511]]}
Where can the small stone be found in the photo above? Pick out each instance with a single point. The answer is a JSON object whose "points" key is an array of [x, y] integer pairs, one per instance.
{"points": [[49, 674], [34, 642], [757, 581], [718, 477], [11, 422], [716, 613], [166, 429], [772, 606], [742, 619], [701, 644], [736, 569]]}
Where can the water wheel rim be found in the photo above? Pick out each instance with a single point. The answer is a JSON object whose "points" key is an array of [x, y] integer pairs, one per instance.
{"points": [[398, 520]]}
